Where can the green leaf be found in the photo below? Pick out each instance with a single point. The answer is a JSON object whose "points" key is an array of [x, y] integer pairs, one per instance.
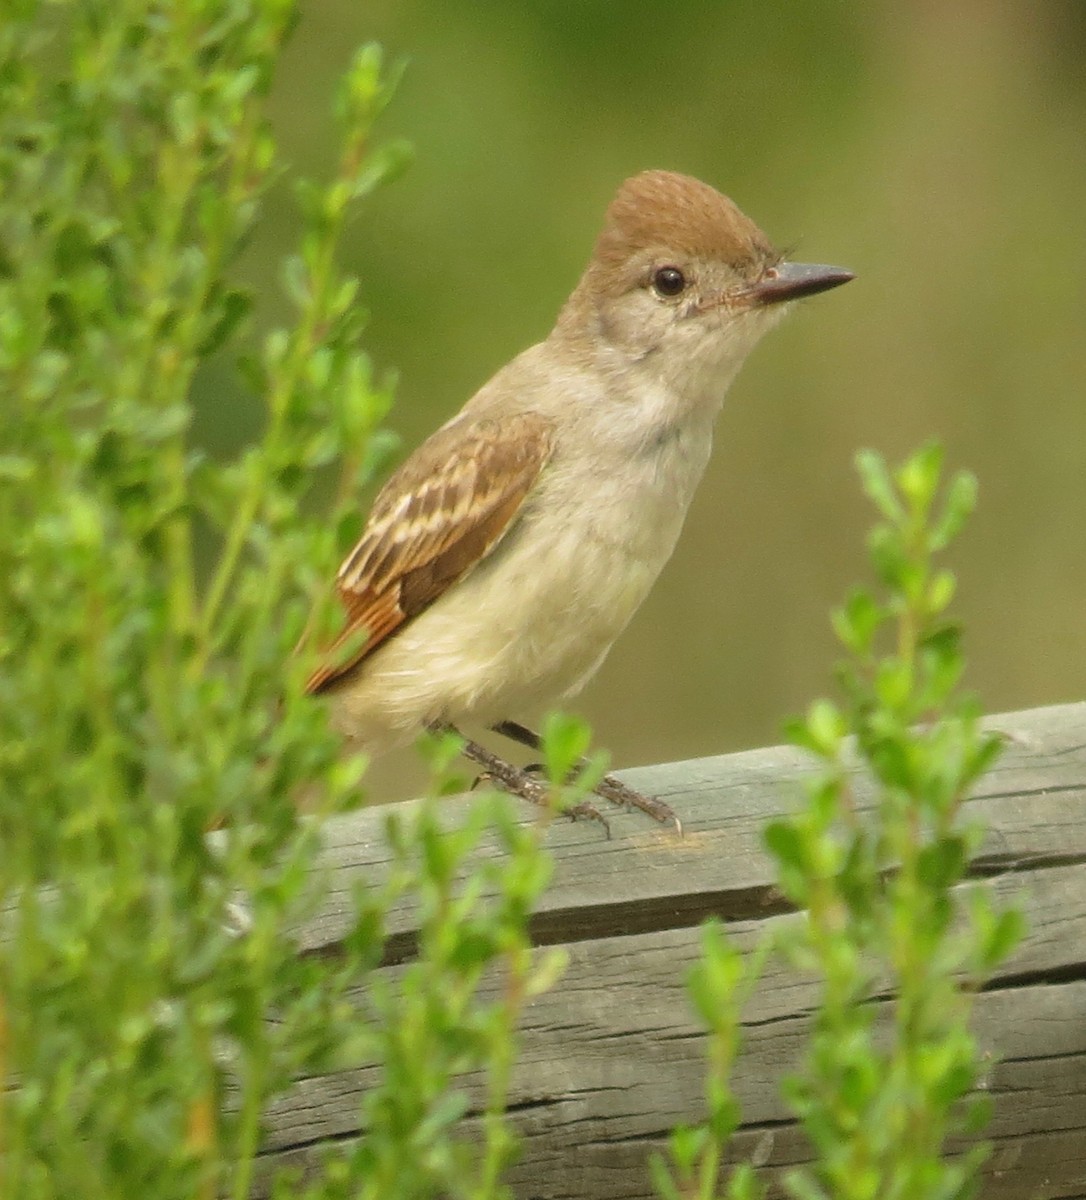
{"points": [[827, 726], [565, 742], [893, 687], [661, 1178], [233, 309], [879, 486], [686, 1144], [857, 623], [888, 556], [548, 970], [363, 84], [744, 1184], [859, 882], [982, 758], [942, 863], [940, 592], [944, 640], [960, 501], [799, 1183], [1007, 932], [978, 1113], [789, 846], [724, 1118], [918, 477], [821, 732], [714, 979], [450, 1107], [296, 280], [382, 166]]}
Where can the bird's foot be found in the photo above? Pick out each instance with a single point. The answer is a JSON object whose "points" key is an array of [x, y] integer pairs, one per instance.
{"points": [[618, 792], [521, 783], [608, 787]]}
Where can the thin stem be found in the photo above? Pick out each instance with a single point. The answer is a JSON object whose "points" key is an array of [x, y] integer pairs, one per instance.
{"points": [[248, 1132], [5, 1086], [306, 338]]}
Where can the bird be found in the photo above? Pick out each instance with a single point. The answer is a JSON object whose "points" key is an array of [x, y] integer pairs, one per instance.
{"points": [[506, 554]]}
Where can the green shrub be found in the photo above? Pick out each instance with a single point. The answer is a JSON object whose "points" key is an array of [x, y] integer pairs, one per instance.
{"points": [[155, 746], [879, 1092]]}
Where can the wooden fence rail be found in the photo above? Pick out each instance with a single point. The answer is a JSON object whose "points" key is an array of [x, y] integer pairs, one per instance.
{"points": [[613, 1057]]}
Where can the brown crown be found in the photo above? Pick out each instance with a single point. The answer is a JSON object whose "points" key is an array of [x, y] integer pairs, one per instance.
{"points": [[665, 211]]}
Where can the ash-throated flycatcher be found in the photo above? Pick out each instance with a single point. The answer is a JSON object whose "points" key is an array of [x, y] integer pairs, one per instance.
{"points": [[505, 556]]}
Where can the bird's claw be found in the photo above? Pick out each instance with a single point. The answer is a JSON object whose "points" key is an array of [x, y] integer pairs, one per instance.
{"points": [[620, 793]]}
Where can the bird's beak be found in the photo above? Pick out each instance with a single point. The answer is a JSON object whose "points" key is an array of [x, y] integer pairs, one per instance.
{"points": [[792, 281]]}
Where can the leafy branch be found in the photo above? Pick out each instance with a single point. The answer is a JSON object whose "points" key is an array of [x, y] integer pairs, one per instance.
{"points": [[898, 944]]}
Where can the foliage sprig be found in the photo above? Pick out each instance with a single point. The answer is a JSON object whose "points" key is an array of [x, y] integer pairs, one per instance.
{"points": [[162, 777], [891, 1069]]}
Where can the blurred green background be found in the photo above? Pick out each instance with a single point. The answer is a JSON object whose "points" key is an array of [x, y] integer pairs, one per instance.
{"points": [[938, 149]]}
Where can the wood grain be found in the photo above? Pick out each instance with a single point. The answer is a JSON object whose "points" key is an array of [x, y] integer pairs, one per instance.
{"points": [[613, 1058]]}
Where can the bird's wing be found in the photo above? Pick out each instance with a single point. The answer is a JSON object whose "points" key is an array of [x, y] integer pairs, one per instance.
{"points": [[438, 516]]}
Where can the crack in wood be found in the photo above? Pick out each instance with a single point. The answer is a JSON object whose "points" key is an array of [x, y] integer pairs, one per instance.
{"points": [[567, 926], [996, 865], [1053, 789], [1055, 976]]}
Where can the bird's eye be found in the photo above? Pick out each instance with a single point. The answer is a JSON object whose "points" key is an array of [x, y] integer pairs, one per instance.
{"points": [[668, 281]]}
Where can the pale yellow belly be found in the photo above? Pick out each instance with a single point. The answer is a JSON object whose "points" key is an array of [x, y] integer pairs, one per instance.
{"points": [[520, 633]]}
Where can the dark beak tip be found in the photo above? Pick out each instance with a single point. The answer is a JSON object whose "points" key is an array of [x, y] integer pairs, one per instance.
{"points": [[840, 275], [793, 281]]}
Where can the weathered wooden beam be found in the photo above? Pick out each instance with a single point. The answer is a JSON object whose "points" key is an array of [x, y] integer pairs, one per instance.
{"points": [[613, 1057]]}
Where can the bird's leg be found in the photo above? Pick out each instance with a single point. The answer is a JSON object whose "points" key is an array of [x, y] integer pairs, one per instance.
{"points": [[513, 780], [608, 787]]}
